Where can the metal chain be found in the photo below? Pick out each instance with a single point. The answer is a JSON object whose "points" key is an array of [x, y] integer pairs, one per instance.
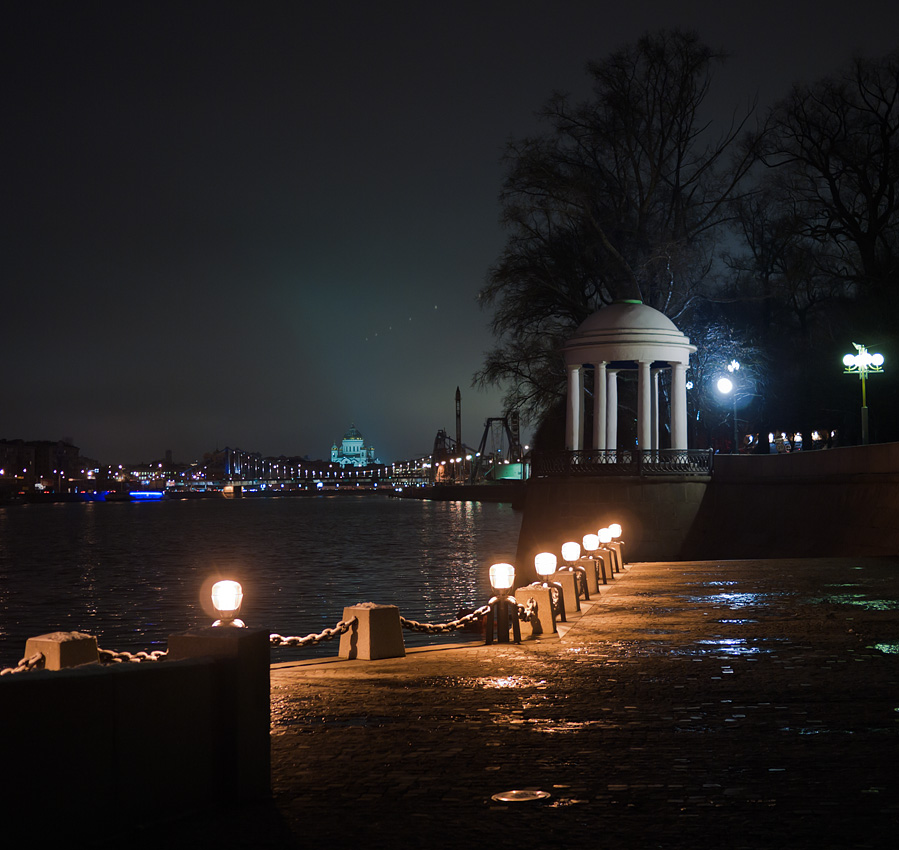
{"points": [[554, 592], [310, 640], [33, 662], [110, 656], [528, 613], [444, 628]]}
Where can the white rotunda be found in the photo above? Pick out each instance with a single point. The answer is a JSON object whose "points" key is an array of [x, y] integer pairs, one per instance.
{"points": [[626, 335]]}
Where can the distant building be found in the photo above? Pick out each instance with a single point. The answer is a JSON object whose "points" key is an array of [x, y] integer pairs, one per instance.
{"points": [[352, 451]]}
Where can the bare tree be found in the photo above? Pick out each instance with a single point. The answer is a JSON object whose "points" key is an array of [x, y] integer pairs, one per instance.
{"points": [[622, 197], [835, 144]]}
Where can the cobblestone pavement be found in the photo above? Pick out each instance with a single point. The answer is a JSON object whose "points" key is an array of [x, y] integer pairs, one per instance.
{"points": [[741, 704]]}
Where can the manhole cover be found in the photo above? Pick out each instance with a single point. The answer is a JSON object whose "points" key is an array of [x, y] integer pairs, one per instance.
{"points": [[520, 796]]}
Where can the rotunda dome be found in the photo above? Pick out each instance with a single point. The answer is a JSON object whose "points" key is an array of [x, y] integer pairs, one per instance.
{"points": [[624, 315], [627, 330]]}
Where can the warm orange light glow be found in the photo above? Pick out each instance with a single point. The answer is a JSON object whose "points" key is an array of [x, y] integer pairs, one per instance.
{"points": [[571, 551], [591, 542], [605, 535], [615, 528], [545, 563], [226, 597], [502, 576]]}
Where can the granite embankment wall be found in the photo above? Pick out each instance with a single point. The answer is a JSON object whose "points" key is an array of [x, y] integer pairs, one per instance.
{"points": [[841, 501]]}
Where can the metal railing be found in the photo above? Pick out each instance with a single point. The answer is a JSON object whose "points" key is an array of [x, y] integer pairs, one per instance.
{"points": [[630, 462]]}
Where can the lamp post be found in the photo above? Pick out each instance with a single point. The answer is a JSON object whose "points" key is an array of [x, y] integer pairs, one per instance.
{"points": [[545, 565], [861, 363], [571, 553], [727, 387], [502, 577], [226, 598]]}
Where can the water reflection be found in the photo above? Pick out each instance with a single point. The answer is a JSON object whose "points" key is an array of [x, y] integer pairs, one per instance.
{"points": [[131, 572], [734, 600], [508, 682], [730, 646], [860, 600]]}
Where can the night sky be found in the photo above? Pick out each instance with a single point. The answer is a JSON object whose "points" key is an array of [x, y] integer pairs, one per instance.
{"points": [[252, 224]]}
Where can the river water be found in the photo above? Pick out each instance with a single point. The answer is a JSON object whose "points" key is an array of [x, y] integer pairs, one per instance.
{"points": [[131, 573]]}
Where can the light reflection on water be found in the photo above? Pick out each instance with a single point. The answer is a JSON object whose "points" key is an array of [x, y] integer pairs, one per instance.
{"points": [[734, 600], [860, 600], [130, 573]]}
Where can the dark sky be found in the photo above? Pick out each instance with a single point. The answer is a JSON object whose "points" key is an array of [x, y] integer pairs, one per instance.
{"points": [[252, 224]]}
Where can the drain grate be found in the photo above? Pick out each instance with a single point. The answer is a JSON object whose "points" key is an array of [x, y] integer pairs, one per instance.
{"points": [[520, 796]]}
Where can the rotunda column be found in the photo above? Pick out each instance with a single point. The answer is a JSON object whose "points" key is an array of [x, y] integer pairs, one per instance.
{"points": [[644, 406], [612, 409], [679, 406], [574, 419], [599, 406], [656, 442]]}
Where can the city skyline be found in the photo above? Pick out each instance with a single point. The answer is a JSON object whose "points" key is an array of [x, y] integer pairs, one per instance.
{"points": [[252, 227]]}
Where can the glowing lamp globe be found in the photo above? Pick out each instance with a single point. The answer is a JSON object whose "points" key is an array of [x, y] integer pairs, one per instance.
{"points": [[502, 576], [571, 551], [545, 563], [605, 536], [226, 599], [615, 528], [591, 542]]}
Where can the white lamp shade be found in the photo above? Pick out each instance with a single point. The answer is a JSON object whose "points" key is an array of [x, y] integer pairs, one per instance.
{"points": [[545, 563], [615, 529], [591, 542], [571, 551], [227, 596], [605, 535], [502, 576]]}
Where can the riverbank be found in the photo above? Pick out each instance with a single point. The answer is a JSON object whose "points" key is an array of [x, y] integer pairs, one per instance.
{"points": [[509, 492], [747, 704]]}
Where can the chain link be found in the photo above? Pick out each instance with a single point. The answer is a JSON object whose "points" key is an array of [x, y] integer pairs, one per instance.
{"points": [[110, 656], [310, 640], [33, 662], [528, 613], [445, 628]]}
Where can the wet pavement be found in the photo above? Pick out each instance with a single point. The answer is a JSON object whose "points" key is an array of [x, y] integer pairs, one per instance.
{"points": [[737, 704]]}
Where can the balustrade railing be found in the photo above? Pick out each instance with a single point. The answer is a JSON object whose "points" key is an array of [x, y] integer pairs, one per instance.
{"points": [[627, 462]]}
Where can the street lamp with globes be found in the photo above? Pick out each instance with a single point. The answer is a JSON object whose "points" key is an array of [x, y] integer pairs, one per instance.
{"points": [[861, 363], [727, 387]]}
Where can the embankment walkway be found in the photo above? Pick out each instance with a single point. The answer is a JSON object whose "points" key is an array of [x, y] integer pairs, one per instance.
{"points": [[729, 704]]}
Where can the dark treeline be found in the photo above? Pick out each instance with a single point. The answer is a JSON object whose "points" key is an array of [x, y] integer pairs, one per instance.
{"points": [[771, 238]]}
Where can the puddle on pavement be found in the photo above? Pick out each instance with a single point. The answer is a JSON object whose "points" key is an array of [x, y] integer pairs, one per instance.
{"points": [[735, 600], [504, 682], [712, 583], [555, 727], [859, 600]]}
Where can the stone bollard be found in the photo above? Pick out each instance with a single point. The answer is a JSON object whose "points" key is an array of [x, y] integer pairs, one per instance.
{"points": [[242, 705], [377, 632], [606, 567], [546, 620], [63, 649], [615, 545], [589, 565], [568, 579]]}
